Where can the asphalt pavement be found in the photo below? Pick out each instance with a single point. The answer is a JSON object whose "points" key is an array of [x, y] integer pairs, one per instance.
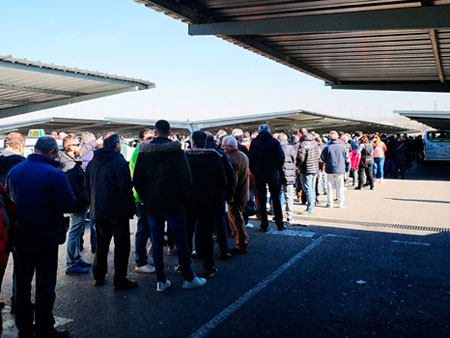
{"points": [[380, 267]]}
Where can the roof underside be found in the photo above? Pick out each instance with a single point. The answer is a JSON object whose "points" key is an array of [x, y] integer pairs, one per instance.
{"points": [[288, 121], [27, 86], [351, 44], [435, 119]]}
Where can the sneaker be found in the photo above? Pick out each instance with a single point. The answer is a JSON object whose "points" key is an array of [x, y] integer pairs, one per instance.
{"points": [[249, 225], [197, 282], [211, 272], [126, 284], [147, 268], [382, 180], [84, 264], [290, 219], [341, 207], [77, 270], [161, 287]]}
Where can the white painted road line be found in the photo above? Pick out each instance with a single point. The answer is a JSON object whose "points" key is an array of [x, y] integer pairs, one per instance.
{"points": [[411, 243], [294, 233], [205, 329], [341, 236]]}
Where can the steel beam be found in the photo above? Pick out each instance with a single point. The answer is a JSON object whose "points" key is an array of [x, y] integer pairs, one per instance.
{"points": [[38, 90], [24, 109], [437, 55], [418, 86], [175, 7], [432, 17]]}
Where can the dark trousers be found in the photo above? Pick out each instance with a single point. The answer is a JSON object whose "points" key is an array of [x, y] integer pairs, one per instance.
{"points": [[366, 173], [142, 236], [274, 189], [44, 261], [221, 232], [176, 223], [203, 221], [106, 229]]}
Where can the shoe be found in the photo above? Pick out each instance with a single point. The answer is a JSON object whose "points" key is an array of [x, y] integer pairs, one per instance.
{"points": [[99, 282], [263, 229], [84, 264], [177, 268], [281, 227], [239, 251], [211, 272], [77, 270], [171, 251], [93, 250], [161, 287], [341, 206], [126, 284], [290, 219], [53, 334], [249, 225], [329, 206], [371, 188], [197, 282], [226, 256], [147, 268], [382, 180], [358, 188], [195, 254]]}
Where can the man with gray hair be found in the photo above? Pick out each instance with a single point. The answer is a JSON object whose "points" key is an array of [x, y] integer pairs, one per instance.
{"points": [[335, 155], [266, 163], [241, 194], [42, 194]]}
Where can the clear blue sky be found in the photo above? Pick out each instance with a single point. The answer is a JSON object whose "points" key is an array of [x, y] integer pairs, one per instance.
{"points": [[196, 77]]}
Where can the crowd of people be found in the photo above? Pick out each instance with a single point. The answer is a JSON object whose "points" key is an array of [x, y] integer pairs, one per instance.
{"points": [[185, 195]]}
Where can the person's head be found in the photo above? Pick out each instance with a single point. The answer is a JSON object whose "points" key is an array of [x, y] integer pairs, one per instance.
{"points": [[199, 139], [46, 146], [15, 142], [144, 133], [264, 128], [283, 137], [162, 129], [377, 140], [238, 134], [333, 135], [112, 141], [54, 134], [87, 137], [61, 135], [71, 145], [364, 139], [229, 144], [318, 139], [209, 136]]}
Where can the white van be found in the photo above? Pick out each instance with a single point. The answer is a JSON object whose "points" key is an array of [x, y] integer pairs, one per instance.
{"points": [[437, 145]]}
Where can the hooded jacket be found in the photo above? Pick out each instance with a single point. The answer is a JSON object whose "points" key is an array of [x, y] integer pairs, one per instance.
{"points": [[76, 176], [108, 186], [289, 162], [162, 177], [266, 157], [42, 194], [308, 155], [227, 167], [208, 178], [335, 156], [8, 159]]}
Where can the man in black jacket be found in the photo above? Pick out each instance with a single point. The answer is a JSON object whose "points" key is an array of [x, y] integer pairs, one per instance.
{"points": [[71, 166], [289, 174], [308, 162], [208, 190], [266, 163], [162, 179], [109, 187]]}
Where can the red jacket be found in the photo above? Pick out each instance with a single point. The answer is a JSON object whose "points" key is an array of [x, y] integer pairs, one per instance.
{"points": [[7, 224]]}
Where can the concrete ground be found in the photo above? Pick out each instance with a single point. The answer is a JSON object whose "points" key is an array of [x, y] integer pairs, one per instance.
{"points": [[380, 267]]}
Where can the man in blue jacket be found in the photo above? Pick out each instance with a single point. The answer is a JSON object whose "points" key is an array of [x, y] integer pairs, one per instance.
{"points": [[42, 194], [335, 156]]}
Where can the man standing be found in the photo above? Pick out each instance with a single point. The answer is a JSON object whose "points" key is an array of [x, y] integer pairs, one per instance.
{"points": [[70, 164], [163, 180], [335, 156], [12, 154], [42, 194], [289, 175], [109, 187], [308, 162], [241, 194], [208, 190], [266, 163], [143, 229]]}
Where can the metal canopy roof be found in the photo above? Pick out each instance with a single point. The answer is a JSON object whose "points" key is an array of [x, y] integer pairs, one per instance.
{"points": [[288, 121], [27, 86], [434, 119], [350, 44]]}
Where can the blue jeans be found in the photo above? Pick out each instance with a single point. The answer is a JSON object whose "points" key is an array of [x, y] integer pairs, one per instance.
{"points": [[176, 223], [92, 230], [76, 229], [142, 236], [309, 187], [378, 167]]}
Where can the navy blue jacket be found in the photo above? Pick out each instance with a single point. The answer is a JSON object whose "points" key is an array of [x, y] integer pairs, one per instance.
{"points": [[42, 194], [266, 157], [334, 156]]}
